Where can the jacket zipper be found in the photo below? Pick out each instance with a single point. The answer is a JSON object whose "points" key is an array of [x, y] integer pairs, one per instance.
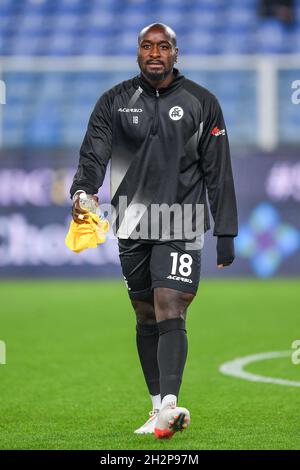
{"points": [[156, 114]]}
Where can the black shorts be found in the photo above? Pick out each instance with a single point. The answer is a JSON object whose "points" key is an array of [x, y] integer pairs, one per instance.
{"points": [[146, 265]]}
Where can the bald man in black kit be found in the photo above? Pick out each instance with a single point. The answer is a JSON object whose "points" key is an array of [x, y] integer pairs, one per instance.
{"points": [[166, 138]]}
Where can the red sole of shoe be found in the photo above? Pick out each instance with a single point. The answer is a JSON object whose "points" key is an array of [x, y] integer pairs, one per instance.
{"points": [[163, 433], [176, 426]]}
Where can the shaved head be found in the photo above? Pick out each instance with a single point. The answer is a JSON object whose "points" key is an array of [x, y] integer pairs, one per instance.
{"points": [[157, 53], [163, 27]]}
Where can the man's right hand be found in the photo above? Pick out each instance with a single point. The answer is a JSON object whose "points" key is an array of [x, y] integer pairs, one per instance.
{"points": [[78, 213]]}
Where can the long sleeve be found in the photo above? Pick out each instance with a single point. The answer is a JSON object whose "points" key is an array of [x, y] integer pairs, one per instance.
{"points": [[216, 166], [95, 150]]}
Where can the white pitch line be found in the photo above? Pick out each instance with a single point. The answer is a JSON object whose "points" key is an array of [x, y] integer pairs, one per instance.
{"points": [[235, 368]]}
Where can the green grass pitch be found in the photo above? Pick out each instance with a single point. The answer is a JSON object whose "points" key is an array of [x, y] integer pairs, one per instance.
{"points": [[73, 380]]}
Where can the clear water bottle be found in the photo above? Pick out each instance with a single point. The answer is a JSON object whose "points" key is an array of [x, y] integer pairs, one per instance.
{"points": [[87, 202]]}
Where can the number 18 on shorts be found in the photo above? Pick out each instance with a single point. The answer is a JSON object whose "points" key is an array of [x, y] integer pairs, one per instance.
{"points": [[165, 264]]}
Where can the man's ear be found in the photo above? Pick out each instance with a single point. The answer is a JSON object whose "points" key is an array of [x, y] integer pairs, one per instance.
{"points": [[176, 55]]}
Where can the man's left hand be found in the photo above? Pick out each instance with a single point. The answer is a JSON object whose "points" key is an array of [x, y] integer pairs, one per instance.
{"points": [[225, 251]]}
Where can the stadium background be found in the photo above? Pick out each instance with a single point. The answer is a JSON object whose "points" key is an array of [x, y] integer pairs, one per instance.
{"points": [[56, 58]]}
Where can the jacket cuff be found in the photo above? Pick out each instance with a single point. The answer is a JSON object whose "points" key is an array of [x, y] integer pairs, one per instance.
{"points": [[77, 192], [82, 187]]}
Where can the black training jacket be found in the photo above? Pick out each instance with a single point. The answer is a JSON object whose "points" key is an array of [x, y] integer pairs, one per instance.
{"points": [[166, 145]]}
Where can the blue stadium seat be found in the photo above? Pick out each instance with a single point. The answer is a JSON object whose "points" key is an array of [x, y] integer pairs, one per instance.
{"points": [[202, 42], [27, 45], [89, 45], [291, 40], [38, 6], [270, 36], [9, 7]]}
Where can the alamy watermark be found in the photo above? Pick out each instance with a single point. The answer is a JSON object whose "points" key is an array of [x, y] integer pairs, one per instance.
{"points": [[157, 221], [2, 92], [296, 354], [296, 94], [2, 352]]}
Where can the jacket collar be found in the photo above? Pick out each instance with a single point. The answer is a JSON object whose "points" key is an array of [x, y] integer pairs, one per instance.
{"points": [[174, 85]]}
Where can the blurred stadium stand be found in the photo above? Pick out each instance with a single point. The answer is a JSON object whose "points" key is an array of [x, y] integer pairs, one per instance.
{"points": [[108, 27], [40, 102]]}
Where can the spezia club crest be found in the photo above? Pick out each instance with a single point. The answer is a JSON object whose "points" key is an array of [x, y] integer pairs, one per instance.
{"points": [[176, 113]]}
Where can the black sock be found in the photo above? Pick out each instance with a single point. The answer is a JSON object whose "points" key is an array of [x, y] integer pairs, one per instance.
{"points": [[147, 341], [171, 355]]}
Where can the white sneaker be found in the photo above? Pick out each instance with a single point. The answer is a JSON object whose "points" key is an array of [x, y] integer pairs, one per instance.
{"points": [[171, 419], [148, 427]]}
